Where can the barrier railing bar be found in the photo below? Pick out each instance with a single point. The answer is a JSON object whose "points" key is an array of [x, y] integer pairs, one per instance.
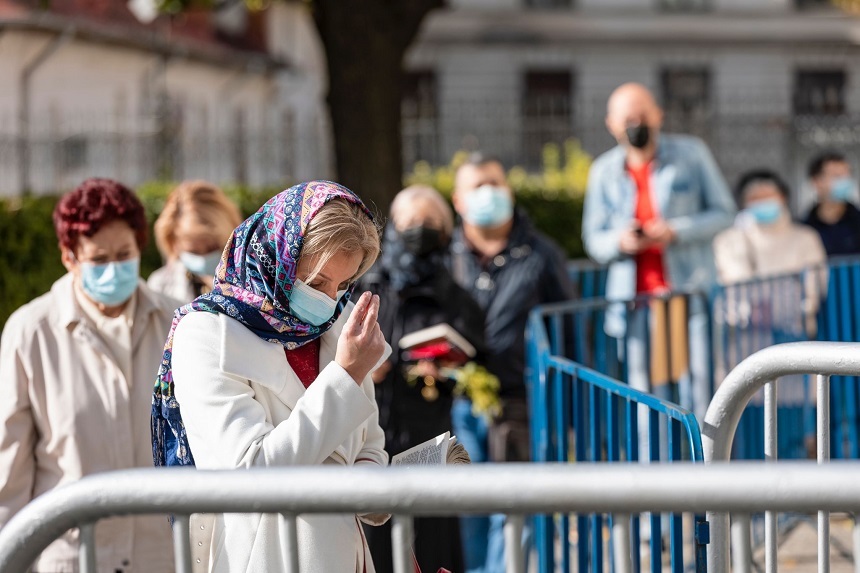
{"points": [[401, 541], [822, 396], [87, 549], [515, 560], [771, 430], [481, 489], [182, 543], [732, 397]]}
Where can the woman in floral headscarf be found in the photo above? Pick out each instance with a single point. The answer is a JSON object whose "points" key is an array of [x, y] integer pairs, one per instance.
{"points": [[281, 295]]}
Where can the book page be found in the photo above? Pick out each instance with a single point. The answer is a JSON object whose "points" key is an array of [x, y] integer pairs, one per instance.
{"points": [[432, 452]]}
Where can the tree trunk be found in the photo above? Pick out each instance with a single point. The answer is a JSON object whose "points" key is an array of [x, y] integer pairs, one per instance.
{"points": [[365, 41]]}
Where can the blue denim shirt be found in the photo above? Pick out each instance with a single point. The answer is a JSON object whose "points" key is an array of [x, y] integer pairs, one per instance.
{"points": [[690, 194]]}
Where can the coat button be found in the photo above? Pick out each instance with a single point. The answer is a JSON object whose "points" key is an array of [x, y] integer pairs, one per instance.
{"points": [[499, 261]]}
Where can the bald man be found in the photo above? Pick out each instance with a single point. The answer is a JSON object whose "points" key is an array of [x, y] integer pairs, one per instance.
{"points": [[653, 206]]}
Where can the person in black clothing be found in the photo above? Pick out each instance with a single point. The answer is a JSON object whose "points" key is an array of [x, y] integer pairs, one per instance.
{"points": [[834, 216], [417, 291], [509, 268]]}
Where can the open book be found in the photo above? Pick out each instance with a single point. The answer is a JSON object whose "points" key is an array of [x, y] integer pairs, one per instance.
{"points": [[438, 342], [441, 450]]}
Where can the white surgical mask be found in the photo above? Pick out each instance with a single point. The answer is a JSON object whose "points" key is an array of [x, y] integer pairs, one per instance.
{"points": [[489, 206], [312, 306], [200, 264]]}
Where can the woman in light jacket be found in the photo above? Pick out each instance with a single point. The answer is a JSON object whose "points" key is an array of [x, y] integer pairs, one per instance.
{"points": [[191, 232], [76, 366], [282, 296]]}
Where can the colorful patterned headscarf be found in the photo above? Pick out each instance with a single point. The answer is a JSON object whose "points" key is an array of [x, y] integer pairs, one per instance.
{"points": [[252, 285]]}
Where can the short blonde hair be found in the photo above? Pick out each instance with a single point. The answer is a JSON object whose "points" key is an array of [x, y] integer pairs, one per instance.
{"points": [[341, 227], [205, 207], [404, 204]]}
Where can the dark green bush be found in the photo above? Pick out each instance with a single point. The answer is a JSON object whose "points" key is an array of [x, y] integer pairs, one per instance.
{"points": [[30, 257]]}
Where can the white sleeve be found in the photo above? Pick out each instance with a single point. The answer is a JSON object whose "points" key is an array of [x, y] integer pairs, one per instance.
{"points": [[227, 426]]}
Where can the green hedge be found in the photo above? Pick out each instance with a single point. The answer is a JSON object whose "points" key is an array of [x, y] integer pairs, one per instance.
{"points": [[30, 257]]}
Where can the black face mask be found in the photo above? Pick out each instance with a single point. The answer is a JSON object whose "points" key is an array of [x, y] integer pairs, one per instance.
{"points": [[639, 136], [421, 241]]}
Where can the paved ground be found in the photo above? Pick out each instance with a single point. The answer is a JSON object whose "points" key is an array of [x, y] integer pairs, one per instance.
{"points": [[798, 550]]}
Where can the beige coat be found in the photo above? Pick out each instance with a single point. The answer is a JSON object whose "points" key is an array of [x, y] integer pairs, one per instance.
{"points": [[745, 253], [172, 280], [243, 406], [68, 411], [754, 251]]}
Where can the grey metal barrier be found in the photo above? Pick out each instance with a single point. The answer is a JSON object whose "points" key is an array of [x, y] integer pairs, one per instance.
{"points": [[516, 489], [762, 370]]}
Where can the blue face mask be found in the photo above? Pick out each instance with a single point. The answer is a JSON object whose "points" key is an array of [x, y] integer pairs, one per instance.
{"points": [[766, 212], [312, 306], [110, 284], [201, 264], [842, 189], [489, 206]]}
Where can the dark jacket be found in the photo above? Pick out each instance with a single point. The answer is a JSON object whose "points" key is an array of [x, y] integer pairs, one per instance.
{"points": [[530, 271], [842, 237], [406, 416]]}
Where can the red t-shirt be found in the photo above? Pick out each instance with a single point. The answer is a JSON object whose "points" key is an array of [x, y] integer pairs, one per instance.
{"points": [[305, 361], [650, 273]]}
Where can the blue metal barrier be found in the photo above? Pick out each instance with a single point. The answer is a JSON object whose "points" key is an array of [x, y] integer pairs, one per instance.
{"points": [[751, 316], [588, 277], [839, 321], [600, 417]]}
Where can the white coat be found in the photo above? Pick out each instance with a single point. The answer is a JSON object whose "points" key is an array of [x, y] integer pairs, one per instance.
{"points": [[243, 406]]}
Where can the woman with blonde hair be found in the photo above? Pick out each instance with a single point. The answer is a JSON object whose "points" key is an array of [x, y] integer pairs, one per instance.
{"points": [[191, 232], [272, 369]]}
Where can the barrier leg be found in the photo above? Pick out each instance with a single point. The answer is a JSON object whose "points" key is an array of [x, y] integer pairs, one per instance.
{"points": [[182, 543], [770, 455], [514, 558], [856, 544], [621, 546], [290, 542], [741, 544], [87, 550], [401, 538], [718, 548], [823, 431]]}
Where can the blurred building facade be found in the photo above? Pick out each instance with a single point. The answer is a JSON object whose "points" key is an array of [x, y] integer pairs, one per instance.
{"points": [[764, 82], [88, 89]]}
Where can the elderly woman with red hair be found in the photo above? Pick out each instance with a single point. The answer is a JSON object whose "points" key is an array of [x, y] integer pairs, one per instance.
{"points": [[76, 372]]}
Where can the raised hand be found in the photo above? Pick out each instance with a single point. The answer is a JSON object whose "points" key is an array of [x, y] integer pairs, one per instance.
{"points": [[361, 344]]}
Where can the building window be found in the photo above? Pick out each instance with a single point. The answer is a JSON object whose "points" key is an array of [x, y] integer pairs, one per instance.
{"points": [[74, 152], [539, 4], [819, 93], [419, 118], [684, 5], [815, 4], [546, 111], [686, 99]]}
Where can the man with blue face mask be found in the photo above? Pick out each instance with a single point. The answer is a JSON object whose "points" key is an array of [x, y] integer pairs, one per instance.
{"points": [[509, 268], [835, 216]]}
